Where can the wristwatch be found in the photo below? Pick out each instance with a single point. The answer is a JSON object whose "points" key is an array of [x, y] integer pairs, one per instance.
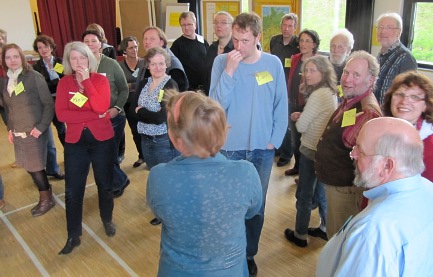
{"points": [[117, 108]]}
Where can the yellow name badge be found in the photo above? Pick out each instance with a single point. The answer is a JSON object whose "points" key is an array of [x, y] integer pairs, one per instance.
{"points": [[19, 88], [263, 77], [287, 62], [58, 68], [79, 99], [340, 91], [161, 95], [349, 118]]}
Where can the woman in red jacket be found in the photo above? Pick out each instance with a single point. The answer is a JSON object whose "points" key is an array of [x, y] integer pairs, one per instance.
{"points": [[83, 98]]}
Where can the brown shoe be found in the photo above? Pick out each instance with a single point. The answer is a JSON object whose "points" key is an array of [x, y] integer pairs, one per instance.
{"points": [[291, 171], [297, 181], [2, 203], [46, 202]]}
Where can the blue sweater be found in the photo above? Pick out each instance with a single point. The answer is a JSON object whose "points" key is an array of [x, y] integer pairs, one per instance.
{"points": [[203, 204], [257, 114]]}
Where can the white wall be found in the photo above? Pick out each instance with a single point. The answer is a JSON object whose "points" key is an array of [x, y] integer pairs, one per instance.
{"points": [[17, 20]]}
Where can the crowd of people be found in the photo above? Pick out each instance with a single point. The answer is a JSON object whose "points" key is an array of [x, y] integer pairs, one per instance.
{"points": [[208, 121]]}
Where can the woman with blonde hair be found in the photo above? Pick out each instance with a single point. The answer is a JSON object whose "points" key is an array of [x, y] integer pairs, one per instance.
{"points": [[201, 197]]}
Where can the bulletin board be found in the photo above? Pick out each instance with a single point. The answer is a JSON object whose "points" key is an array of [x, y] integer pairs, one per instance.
{"points": [[210, 8], [172, 26], [271, 12]]}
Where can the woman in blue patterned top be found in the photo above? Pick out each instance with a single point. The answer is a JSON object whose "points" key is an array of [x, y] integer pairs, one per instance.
{"points": [[201, 197], [150, 111]]}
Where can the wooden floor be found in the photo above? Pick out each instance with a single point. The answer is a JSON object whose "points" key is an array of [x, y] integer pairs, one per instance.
{"points": [[29, 246]]}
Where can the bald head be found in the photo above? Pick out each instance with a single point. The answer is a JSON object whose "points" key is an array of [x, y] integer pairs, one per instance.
{"points": [[378, 127], [394, 145]]}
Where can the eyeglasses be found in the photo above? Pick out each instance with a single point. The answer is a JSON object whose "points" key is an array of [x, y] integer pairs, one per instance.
{"points": [[222, 23], [353, 156], [338, 47], [386, 28], [305, 41], [412, 98], [189, 25]]}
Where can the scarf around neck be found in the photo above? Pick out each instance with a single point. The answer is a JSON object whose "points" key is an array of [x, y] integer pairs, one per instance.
{"points": [[13, 76]]}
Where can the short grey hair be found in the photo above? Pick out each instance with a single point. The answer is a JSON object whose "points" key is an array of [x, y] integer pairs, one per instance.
{"points": [[290, 16], [229, 16], [395, 16], [347, 35], [84, 50], [373, 65], [408, 155]]}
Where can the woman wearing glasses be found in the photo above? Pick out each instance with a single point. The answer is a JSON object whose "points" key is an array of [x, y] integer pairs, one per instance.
{"points": [[149, 109], [308, 45], [410, 97]]}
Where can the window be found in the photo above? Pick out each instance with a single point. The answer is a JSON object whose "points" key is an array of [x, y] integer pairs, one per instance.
{"points": [[324, 17], [417, 30]]}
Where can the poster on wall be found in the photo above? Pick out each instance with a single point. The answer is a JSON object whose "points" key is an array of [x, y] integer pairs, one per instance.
{"points": [[271, 13], [210, 8]]}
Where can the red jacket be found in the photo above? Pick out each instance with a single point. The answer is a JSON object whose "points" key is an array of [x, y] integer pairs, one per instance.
{"points": [[97, 90]]}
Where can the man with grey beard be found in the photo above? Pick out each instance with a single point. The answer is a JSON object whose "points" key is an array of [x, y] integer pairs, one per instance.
{"points": [[333, 165], [339, 49], [392, 235]]}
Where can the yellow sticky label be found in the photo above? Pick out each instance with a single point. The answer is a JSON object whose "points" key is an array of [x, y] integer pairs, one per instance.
{"points": [[349, 118], [287, 62], [340, 91], [161, 95], [79, 99], [58, 68], [263, 77], [19, 88]]}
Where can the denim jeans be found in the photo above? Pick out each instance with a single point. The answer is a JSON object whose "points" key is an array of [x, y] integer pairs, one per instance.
{"points": [[157, 150], [52, 167], [132, 122], [78, 157], [285, 150], [119, 177], [310, 192], [262, 161], [1, 188], [295, 136]]}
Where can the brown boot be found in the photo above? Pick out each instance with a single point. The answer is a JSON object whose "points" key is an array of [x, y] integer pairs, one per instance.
{"points": [[46, 202]]}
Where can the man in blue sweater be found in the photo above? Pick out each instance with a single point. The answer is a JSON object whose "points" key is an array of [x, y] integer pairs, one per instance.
{"points": [[250, 86]]}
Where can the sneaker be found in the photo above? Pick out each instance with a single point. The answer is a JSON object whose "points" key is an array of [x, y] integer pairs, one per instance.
{"points": [[252, 268], [318, 233], [290, 236]]}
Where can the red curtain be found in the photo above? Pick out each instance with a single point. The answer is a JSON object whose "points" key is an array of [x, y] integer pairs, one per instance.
{"points": [[66, 20]]}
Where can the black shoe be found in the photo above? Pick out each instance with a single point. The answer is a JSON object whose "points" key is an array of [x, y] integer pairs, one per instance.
{"points": [[252, 268], [138, 163], [297, 181], [118, 193], [290, 236], [282, 162], [318, 233], [291, 171], [57, 175], [155, 221], [71, 243], [110, 229]]}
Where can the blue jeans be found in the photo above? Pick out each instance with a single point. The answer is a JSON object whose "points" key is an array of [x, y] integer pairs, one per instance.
{"points": [[157, 150], [52, 167], [262, 161], [1, 188], [119, 177], [309, 193], [78, 157]]}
